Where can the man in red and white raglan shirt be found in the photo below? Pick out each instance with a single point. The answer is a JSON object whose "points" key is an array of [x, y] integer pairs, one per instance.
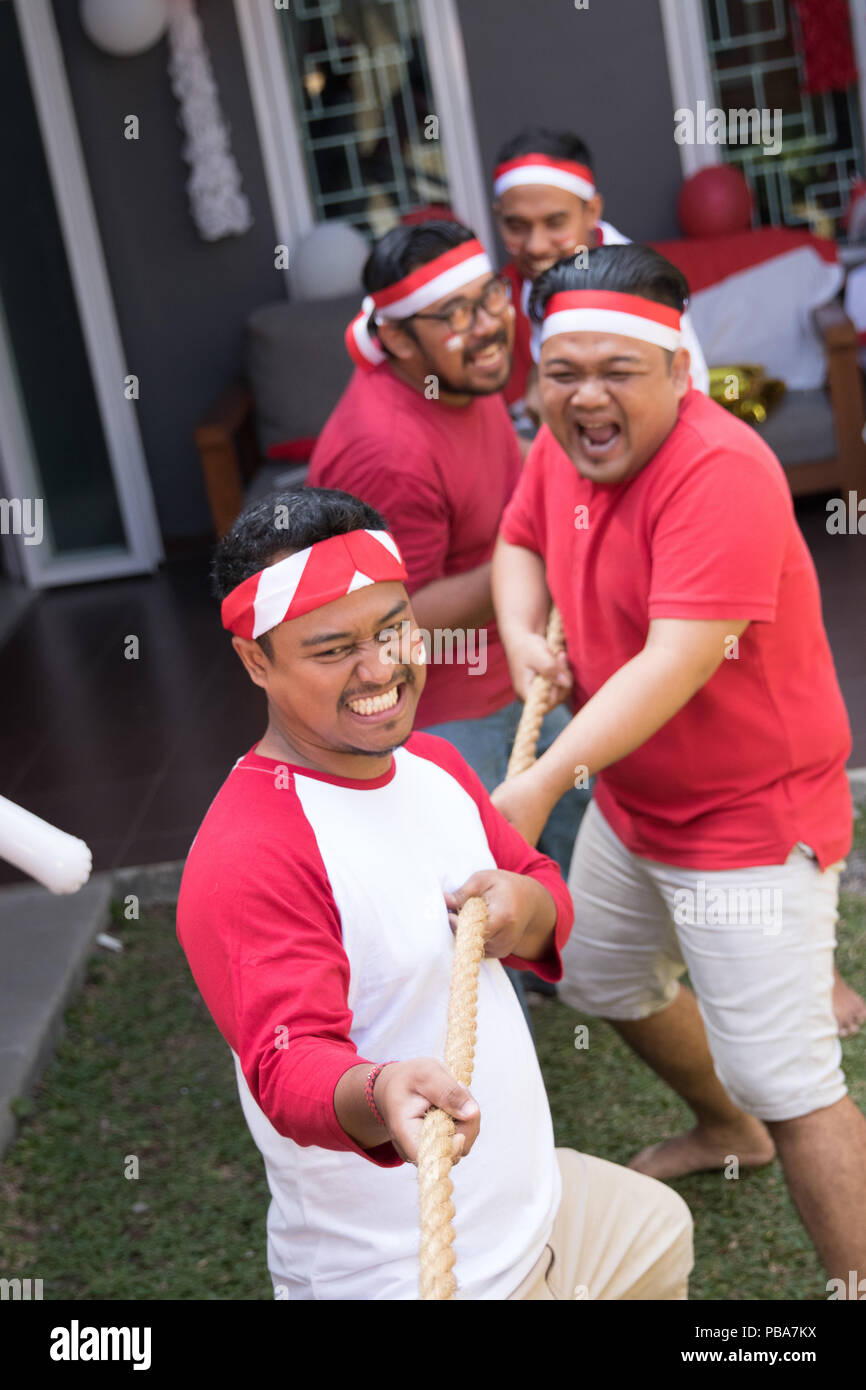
{"points": [[316, 914], [547, 206], [708, 708], [423, 435]]}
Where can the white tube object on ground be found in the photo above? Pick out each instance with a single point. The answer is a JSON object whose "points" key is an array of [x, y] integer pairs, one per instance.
{"points": [[61, 862]]}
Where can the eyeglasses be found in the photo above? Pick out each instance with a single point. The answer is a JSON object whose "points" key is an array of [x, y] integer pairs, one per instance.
{"points": [[494, 299]]}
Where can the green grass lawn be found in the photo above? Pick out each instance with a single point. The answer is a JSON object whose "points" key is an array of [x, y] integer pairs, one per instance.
{"points": [[143, 1073]]}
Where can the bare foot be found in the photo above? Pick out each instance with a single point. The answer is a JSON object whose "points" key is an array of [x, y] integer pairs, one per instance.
{"points": [[700, 1150], [848, 1006]]}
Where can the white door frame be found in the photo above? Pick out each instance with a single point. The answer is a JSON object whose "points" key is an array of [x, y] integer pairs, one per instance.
{"points": [[689, 73], [857, 11], [103, 345], [279, 133], [277, 125], [470, 189]]}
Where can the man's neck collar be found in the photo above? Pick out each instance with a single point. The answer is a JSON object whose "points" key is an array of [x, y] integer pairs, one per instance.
{"points": [[281, 747]]}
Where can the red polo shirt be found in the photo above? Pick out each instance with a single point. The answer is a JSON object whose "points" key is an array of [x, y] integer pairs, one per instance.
{"points": [[441, 476], [756, 760]]}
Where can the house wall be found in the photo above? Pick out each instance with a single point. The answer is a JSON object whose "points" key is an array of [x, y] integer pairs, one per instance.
{"points": [[181, 302], [600, 71]]}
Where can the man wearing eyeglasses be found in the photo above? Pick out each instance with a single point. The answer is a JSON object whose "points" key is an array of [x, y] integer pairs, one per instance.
{"points": [[423, 435]]}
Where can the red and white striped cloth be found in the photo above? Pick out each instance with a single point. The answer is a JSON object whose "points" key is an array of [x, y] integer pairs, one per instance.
{"points": [[544, 169], [420, 288], [309, 579], [606, 311]]}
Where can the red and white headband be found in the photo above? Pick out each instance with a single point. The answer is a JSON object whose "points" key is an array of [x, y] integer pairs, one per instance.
{"points": [[422, 287], [606, 311], [309, 579], [542, 168]]}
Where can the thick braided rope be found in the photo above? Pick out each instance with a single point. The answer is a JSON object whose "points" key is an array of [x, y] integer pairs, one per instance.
{"points": [[437, 1280], [523, 752]]}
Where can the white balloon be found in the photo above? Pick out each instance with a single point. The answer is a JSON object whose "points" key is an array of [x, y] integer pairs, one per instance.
{"points": [[59, 861], [327, 262], [124, 27]]}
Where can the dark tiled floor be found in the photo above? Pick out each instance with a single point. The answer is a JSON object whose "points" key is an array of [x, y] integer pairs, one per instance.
{"points": [[126, 754], [129, 754]]}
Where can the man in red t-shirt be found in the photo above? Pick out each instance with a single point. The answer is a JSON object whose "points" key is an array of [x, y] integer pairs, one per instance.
{"points": [[709, 710], [547, 206], [422, 434]]}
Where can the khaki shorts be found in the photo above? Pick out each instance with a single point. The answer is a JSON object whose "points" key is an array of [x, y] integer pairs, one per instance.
{"points": [[618, 1235], [758, 945]]}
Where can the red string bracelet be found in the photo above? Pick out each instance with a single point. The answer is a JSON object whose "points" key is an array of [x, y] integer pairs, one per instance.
{"points": [[368, 1088]]}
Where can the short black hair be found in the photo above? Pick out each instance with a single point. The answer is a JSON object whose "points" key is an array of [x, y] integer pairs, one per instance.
{"points": [[403, 249], [278, 526], [558, 144], [629, 269]]}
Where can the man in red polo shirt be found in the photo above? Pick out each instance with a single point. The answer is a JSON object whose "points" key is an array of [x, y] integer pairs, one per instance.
{"points": [[709, 710], [422, 434], [547, 206]]}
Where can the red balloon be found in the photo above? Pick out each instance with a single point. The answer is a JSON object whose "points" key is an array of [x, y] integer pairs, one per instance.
{"points": [[715, 202]]}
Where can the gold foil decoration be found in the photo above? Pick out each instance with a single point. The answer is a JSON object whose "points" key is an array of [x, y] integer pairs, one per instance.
{"points": [[746, 391]]}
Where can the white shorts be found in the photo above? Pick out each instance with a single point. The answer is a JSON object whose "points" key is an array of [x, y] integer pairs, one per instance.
{"points": [[758, 945]]}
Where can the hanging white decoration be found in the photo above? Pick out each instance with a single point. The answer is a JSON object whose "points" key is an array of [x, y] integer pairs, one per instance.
{"points": [[219, 207]]}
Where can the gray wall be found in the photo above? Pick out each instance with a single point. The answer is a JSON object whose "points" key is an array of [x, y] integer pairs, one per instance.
{"points": [[181, 302], [601, 72]]}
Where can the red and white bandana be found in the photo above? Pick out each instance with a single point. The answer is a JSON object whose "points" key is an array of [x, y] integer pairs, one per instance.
{"points": [[420, 288], [543, 168], [606, 311], [309, 579]]}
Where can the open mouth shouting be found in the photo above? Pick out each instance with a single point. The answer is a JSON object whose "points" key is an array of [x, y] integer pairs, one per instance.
{"points": [[598, 438]]}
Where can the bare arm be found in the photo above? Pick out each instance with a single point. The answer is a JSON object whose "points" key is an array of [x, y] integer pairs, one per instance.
{"points": [[520, 594], [461, 600], [403, 1092], [679, 657], [522, 603]]}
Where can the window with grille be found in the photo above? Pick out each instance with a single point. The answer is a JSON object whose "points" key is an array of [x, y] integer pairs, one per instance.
{"points": [[754, 53], [361, 90]]}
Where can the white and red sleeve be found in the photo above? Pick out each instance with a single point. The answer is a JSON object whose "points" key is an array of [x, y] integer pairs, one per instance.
{"points": [[509, 849], [269, 961]]}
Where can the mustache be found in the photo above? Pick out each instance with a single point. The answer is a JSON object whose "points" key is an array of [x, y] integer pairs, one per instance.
{"points": [[406, 677], [497, 340]]}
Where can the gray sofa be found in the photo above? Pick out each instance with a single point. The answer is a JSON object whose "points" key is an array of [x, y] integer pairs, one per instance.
{"points": [[295, 368]]}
